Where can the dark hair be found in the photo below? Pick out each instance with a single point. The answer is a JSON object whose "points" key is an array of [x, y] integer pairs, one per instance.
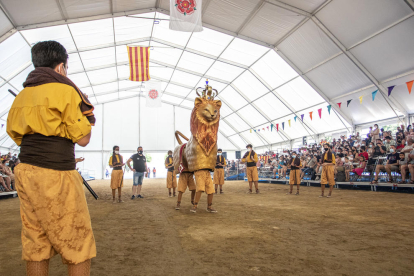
{"points": [[249, 146], [220, 150], [139, 147], [49, 54], [169, 151]]}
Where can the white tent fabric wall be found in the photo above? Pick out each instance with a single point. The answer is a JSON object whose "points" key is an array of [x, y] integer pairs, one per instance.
{"points": [[270, 60]]}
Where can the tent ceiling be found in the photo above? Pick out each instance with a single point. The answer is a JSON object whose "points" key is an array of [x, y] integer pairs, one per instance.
{"points": [[271, 60]]}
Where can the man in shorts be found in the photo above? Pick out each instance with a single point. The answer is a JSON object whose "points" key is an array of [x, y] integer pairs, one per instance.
{"points": [[392, 165], [171, 175], [250, 158], [218, 177], [47, 118], [139, 168]]}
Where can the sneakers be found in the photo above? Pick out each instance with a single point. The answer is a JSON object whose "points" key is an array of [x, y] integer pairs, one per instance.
{"points": [[257, 191], [120, 201], [221, 192], [249, 192], [140, 196], [211, 210], [216, 191], [178, 206], [132, 197], [169, 195], [114, 201], [174, 195], [193, 209]]}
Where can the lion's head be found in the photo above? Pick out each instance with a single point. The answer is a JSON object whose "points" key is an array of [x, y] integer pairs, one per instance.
{"points": [[205, 122]]}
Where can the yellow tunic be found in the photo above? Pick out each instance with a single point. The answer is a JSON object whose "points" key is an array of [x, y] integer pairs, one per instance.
{"points": [[294, 176], [116, 176], [51, 109], [328, 171], [251, 172]]}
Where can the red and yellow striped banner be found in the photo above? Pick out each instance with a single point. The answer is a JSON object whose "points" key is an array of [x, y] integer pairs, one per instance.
{"points": [[138, 63]]}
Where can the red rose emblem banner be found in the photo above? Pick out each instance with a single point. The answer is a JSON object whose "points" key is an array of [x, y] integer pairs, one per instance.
{"points": [[185, 15], [153, 94]]}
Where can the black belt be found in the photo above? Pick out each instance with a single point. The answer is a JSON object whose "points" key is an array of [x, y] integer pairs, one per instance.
{"points": [[251, 164]]}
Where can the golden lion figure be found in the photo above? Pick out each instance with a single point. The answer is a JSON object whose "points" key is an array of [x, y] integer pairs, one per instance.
{"points": [[199, 154]]}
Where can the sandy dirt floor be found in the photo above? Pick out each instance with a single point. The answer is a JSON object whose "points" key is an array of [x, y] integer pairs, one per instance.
{"points": [[352, 233]]}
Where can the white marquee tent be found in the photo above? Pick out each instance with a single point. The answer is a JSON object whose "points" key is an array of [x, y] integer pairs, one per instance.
{"points": [[271, 60]]}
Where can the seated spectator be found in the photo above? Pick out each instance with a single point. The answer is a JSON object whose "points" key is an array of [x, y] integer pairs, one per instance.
{"points": [[312, 162], [6, 175], [388, 143], [392, 165], [403, 163], [348, 168], [364, 152], [361, 167], [408, 148], [282, 167]]}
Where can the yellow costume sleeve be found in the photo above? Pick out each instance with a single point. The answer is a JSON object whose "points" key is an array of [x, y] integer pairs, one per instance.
{"points": [[255, 158], [110, 161], [225, 162], [77, 124], [333, 159]]}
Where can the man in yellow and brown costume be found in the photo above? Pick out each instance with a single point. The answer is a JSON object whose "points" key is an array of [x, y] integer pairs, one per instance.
{"points": [[328, 170], [48, 117], [250, 158], [171, 175], [198, 155], [218, 177]]}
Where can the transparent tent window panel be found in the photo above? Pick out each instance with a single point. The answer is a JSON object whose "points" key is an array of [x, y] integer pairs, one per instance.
{"points": [[250, 86], [253, 138], [224, 71], [15, 56], [185, 78], [93, 33], [177, 90], [160, 137], [244, 52], [225, 110], [209, 41], [237, 140], [6, 99], [121, 128], [123, 72], [107, 98], [274, 70], [196, 63], [272, 106], [187, 103], [74, 64], [236, 122], [171, 99], [130, 28], [232, 98], [251, 115], [102, 75], [164, 54], [182, 121], [272, 136], [225, 128], [327, 122], [160, 71], [122, 53], [299, 94], [127, 84], [97, 58], [18, 80], [60, 34], [225, 144], [162, 31], [80, 79], [105, 88]]}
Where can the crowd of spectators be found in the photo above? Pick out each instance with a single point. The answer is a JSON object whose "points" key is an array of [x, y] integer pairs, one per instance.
{"points": [[378, 151], [7, 164]]}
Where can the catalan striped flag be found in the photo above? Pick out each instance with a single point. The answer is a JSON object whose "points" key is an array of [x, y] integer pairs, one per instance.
{"points": [[138, 63]]}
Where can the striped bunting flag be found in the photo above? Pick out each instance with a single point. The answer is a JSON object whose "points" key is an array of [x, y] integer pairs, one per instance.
{"points": [[138, 63]]}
